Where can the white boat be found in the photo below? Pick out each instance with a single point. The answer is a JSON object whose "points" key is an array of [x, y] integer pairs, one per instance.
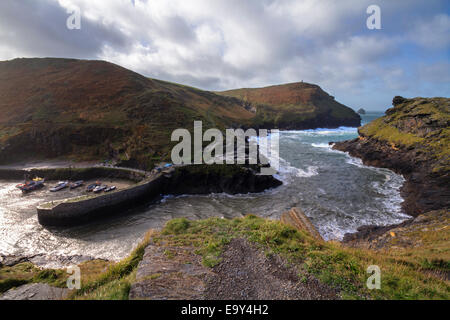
{"points": [[61, 185], [99, 189]]}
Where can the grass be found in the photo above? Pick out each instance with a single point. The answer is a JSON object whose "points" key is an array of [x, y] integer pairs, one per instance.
{"points": [[417, 123], [26, 272], [405, 275], [414, 272], [383, 131], [115, 282]]}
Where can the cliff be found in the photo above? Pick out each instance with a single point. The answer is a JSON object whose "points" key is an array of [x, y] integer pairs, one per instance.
{"points": [[412, 139], [293, 106]]}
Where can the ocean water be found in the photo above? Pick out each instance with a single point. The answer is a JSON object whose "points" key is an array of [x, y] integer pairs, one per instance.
{"points": [[337, 192]]}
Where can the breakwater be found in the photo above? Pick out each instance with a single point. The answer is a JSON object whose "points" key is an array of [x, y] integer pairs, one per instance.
{"points": [[193, 179]]}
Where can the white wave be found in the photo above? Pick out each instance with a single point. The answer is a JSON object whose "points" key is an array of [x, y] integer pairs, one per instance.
{"points": [[309, 172], [321, 145], [355, 161], [322, 131]]}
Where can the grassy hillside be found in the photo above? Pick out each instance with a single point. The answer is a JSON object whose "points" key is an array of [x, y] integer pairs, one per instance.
{"points": [[95, 110], [407, 272], [295, 106], [421, 124]]}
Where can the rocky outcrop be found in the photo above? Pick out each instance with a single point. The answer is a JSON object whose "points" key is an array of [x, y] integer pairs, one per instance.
{"points": [[205, 179], [35, 291], [409, 234], [297, 219], [167, 273], [295, 106], [412, 140]]}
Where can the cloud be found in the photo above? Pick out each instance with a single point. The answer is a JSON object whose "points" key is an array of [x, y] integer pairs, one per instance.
{"points": [[224, 44], [434, 33], [38, 28]]}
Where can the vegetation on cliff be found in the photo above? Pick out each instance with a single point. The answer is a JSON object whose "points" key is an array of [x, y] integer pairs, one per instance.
{"points": [[295, 106], [412, 139], [421, 124], [95, 110], [406, 272]]}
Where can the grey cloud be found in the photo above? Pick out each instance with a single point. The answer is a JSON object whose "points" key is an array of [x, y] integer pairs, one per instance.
{"points": [[38, 28]]}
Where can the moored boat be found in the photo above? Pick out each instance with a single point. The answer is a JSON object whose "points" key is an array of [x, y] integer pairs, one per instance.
{"points": [[109, 189], [99, 188], [92, 186], [32, 185], [76, 184], [61, 185]]}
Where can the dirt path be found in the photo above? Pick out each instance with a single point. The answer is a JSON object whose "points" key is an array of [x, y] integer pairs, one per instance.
{"points": [[245, 273]]}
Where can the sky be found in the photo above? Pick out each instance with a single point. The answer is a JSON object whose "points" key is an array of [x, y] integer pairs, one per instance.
{"points": [[227, 44]]}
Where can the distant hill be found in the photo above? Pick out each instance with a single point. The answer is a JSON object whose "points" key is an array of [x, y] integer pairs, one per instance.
{"points": [[295, 106], [96, 110]]}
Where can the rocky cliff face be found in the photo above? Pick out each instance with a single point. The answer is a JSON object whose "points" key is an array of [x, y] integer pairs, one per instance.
{"points": [[413, 139], [205, 179]]}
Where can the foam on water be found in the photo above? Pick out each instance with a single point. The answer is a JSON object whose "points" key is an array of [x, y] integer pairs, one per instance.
{"points": [[337, 192]]}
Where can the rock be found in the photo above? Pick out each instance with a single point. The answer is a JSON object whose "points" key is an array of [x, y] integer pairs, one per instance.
{"points": [[362, 111], [167, 273], [297, 219], [398, 100], [35, 291], [205, 179], [409, 141], [404, 235], [44, 260]]}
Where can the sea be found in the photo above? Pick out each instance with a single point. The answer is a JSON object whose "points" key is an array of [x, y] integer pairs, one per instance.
{"points": [[336, 191]]}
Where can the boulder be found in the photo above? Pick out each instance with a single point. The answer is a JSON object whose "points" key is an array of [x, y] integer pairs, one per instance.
{"points": [[35, 291]]}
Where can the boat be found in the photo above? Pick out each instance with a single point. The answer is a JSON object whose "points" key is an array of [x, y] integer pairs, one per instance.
{"points": [[61, 185], [32, 185], [99, 189], [92, 186], [109, 189], [76, 184]]}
